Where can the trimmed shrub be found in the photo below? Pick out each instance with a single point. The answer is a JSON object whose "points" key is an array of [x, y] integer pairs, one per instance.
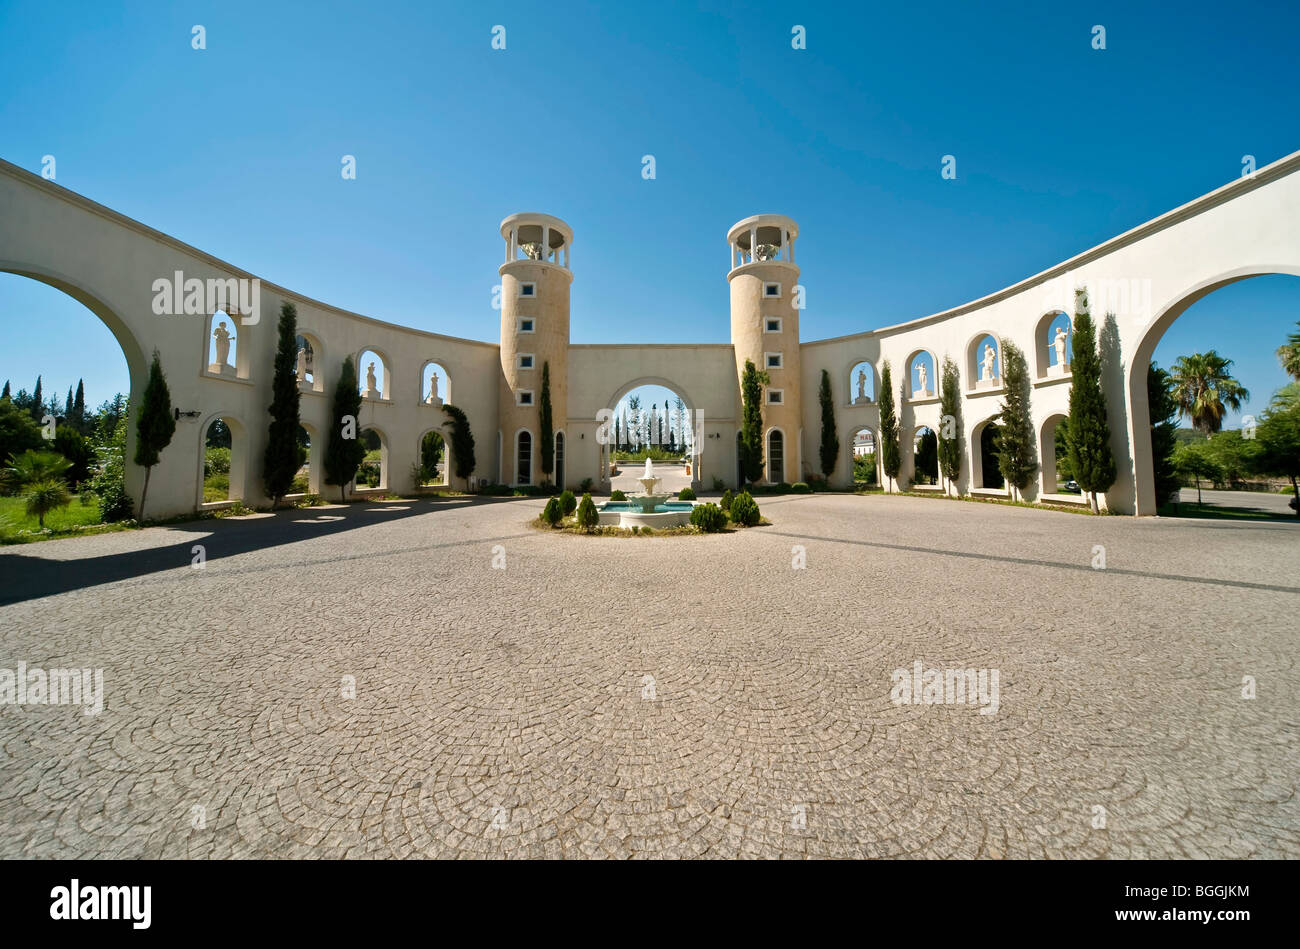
{"points": [[725, 503], [647, 530], [800, 487], [552, 513], [709, 518], [744, 510], [585, 486], [617, 495], [719, 484], [588, 516], [686, 494], [568, 503], [783, 488]]}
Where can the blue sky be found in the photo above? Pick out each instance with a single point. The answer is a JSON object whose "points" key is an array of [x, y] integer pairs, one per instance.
{"points": [[237, 148]]}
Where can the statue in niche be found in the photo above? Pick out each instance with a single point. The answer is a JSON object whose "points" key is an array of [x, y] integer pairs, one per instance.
{"points": [[372, 387], [986, 365], [302, 365], [1059, 344], [223, 337], [920, 371], [862, 385], [433, 389]]}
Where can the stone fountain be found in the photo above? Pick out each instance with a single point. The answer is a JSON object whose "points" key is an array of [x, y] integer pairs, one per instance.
{"points": [[648, 481]]}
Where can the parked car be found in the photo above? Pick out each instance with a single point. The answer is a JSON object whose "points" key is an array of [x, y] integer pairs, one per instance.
{"points": [[1072, 486]]}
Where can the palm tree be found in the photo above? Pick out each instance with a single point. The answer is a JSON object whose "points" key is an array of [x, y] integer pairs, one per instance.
{"points": [[1204, 390], [41, 475], [1289, 355]]}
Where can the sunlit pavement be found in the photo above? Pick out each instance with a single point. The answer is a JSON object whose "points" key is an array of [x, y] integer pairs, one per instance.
{"points": [[724, 695]]}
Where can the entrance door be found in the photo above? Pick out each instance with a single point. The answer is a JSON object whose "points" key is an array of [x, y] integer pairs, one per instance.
{"points": [[559, 460]]}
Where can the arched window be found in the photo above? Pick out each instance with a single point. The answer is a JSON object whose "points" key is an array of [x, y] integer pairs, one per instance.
{"points": [[862, 383], [524, 458], [227, 351], [775, 456], [559, 460], [373, 376], [921, 371], [984, 362]]}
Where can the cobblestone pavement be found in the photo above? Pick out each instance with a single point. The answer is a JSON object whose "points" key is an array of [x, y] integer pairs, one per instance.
{"points": [[507, 712]]}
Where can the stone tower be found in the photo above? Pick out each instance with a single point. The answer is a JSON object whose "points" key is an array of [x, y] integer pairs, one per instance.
{"points": [[765, 330], [535, 282]]}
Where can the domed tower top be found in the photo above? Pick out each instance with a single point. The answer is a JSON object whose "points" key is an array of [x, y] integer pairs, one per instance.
{"points": [[539, 238], [763, 238]]}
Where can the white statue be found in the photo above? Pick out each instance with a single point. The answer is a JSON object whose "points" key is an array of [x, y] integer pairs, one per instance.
{"points": [[862, 384], [1059, 343], [302, 365], [223, 337], [920, 371], [986, 365], [433, 389], [372, 387]]}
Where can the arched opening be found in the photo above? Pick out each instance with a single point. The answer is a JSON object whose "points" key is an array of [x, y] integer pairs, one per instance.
{"points": [[435, 384], [925, 456], [1211, 316], [655, 418], [523, 457], [984, 457], [776, 456], [740, 460], [433, 467], [920, 370], [866, 465], [1053, 458], [373, 375], [559, 460], [223, 461], [984, 362], [862, 383], [228, 353], [373, 472], [1052, 338], [311, 362], [85, 362]]}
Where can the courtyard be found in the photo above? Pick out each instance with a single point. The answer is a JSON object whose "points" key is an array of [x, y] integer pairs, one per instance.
{"points": [[653, 697]]}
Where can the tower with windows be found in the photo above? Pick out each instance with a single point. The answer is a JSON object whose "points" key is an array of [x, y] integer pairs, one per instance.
{"points": [[535, 281], [765, 304]]}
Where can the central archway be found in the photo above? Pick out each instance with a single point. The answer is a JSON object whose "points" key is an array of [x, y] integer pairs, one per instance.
{"points": [[664, 426]]}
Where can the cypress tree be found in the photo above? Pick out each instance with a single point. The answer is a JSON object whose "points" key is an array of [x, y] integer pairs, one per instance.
{"points": [[830, 447], [5, 393], [751, 428], [1017, 460], [283, 454], [344, 451], [462, 443], [949, 446], [547, 425], [79, 407], [155, 426], [891, 460], [67, 406], [37, 408], [1088, 438]]}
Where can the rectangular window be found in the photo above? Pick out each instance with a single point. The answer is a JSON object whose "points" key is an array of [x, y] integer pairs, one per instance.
{"points": [[525, 324], [772, 325], [528, 289], [772, 360], [524, 397], [525, 360], [772, 290], [775, 396]]}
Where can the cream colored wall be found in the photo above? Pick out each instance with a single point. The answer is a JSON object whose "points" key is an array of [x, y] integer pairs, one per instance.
{"points": [[109, 263]]}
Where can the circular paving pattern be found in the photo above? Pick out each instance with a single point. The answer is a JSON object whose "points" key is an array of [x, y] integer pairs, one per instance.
{"points": [[374, 687]]}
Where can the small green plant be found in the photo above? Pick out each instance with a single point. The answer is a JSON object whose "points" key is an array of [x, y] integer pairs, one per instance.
{"points": [[744, 510], [647, 530], [686, 494], [588, 516], [709, 518], [636, 530], [310, 500], [568, 503], [44, 496], [585, 486], [800, 487], [719, 484], [553, 513], [725, 503], [617, 495]]}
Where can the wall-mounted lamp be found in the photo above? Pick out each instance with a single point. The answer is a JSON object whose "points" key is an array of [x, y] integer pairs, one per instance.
{"points": [[177, 414]]}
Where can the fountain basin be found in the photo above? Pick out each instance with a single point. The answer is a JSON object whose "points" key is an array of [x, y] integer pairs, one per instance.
{"points": [[631, 513]]}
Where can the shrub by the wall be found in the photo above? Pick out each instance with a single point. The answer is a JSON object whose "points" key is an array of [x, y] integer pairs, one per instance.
{"points": [[709, 518], [725, 503], [800, 487], [686, 494], [744, 510]]}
